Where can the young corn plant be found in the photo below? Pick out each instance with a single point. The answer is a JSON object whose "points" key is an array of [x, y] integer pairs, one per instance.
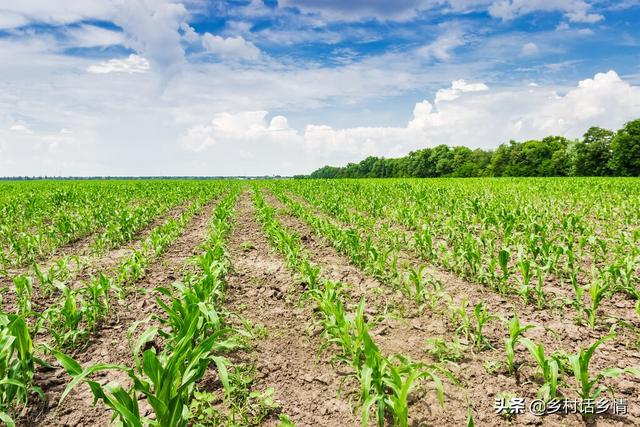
{"points": [[309, 274], [548, 367], [400, 378], [50, 279], [597, 292], [24, 287], [435, 295], [503, 259], [63, 319], [17, 367], [588, 386], [423, 242], [415, 283], [524, 281], [516, 331], [386, 383], [166, 379], [481, 317], [458, 316], [97, 299]]}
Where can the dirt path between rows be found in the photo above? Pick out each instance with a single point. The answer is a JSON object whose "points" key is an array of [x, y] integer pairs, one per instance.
{"points": [[110, 344], [305, 385]]}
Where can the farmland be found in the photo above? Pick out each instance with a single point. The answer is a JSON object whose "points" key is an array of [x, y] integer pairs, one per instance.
{"points": [[320, 302]]}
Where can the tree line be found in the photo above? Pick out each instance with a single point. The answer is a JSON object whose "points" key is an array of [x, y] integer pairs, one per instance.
{"points": [[600, 152]]}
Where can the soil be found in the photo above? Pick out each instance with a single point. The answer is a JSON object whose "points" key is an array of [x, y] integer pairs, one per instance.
{"points": [[264, 291]]}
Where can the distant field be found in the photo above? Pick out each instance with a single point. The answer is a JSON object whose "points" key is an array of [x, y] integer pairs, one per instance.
{"points": [[320, 302]]}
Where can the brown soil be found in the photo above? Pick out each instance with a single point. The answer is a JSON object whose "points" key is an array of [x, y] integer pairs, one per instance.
{"points": [[305, 384]]}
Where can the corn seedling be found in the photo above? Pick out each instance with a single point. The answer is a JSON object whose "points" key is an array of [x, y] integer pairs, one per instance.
{"points": [[516, 332], [548, 367], [481, 317], [588, 386], [524, 281], [17, 367], [415, 283], [24, 288], [597, 292]]}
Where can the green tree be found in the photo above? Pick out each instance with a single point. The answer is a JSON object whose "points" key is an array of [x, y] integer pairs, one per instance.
{"points": [[625, 159], [593, 155]]}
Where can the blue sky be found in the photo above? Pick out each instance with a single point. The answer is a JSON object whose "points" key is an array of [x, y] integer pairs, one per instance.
{"points": [[139, 87]]}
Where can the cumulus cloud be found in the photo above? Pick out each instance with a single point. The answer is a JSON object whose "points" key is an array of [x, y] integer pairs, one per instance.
{"points": [[246, 126], [471, 116], [130, 65], [230, 47], [457, 88], [153, 30]]}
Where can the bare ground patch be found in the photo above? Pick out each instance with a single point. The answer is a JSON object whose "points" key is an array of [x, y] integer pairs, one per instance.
{"points": [[305, 384]]}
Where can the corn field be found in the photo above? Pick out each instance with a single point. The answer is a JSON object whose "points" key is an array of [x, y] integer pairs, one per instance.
{"points": [[399, 302]]}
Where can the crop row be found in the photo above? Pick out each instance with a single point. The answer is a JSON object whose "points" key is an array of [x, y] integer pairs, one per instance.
{"points": [[385, 382]]}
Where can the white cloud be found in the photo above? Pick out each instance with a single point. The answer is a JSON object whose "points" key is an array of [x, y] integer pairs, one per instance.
{"points": [[230, 47], [279, 123], [405, 10], [457, 88], [150, 27], [20, 127], [130, 65], [246, 126], [442, 47], [189, 34], [353, 10], [55, 12], [529, 49], [575, 10], [485, 119], [92, 36]]}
